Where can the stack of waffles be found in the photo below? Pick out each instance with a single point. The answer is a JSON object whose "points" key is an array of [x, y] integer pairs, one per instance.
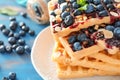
{"points": [[87, 37]]}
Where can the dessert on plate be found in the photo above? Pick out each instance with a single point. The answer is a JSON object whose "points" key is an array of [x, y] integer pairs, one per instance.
{"points": [[87, 37]]}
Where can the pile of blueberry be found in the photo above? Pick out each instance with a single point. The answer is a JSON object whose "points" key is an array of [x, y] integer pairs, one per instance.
{"points": [[72, 8], [81, 39], [11, 76], [15, 34]]}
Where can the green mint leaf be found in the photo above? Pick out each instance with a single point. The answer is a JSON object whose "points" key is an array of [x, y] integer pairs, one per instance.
{"points": [[83, 7], [81, 2]]}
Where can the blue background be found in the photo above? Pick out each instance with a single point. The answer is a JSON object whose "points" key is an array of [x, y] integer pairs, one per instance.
{"points": [[21, 64]]}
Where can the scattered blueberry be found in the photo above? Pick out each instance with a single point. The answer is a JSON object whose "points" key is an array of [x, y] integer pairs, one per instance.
{"points": [[64, 14], [96, 2], [20, 50], [24, 14], [103, 13], [16, 35], [110, 6], [1, 42], [22, 24], [61, 1], [14, 46], [110, 28], [31, 32], [12, 18], [117, 24], [12, 40], [77, 46], [13, 25], [64, 7], [12, 76], [72, 39], [75, 5], [5, 78], [2, 26], [6, 32], [77, 12], [2, 49], [117, 32], [81, 37], [8, 48], [21, 41], [69, 20], [100, 7], [90, 8], [25, 28], [27, 48], [22, 33], [10, 34]]}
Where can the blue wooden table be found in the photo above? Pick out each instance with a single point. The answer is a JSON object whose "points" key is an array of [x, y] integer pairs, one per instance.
{"points": [[21, 64]]}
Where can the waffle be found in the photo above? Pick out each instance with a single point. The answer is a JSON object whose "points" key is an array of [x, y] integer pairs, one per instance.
{"points": [[85, 43]]}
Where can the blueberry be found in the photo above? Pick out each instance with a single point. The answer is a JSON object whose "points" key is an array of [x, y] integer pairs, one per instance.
{"points": [[20, 50], [2, 49], [77, 12], [53, 13], [12, 18], [81, 37], [75, 5], [90, 1], [64, 14], [12, 76], [72, 1], [96, 2], [107, 1], [22, 24], [103, 13], [27, 48], [31, 32], [77, 46], [72, 39], [110, 6], [14, 46], [64, 7], [117, 24], [25, 28], [10, 34], [23, 14], [110, 28], [100, 7], [69, 20], [16, 35], [12, 40], [1, 42], [8, 48], [22, 33], [2, 26], [117, 32], [21, 41], [61, 1], [13, 25], [90, 9], [6, 32], [5, 78]]}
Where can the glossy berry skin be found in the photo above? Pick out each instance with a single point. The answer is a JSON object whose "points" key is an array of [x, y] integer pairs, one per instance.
{"points": [[100, 7], [69, 20], [25, 28], [31, 32], [8, 48], [64, 7], [81, 37], [10, 34], [107, 1], [22, 33], [64, 14], [14, 46], [27, 48], [2, 26], [77, 46], [90, 9], [71, 39], [117, 32], [12, 18], [23, 14], [12, 40], [5, 78], [75, 5], [2, 49], [77, 12], [110, 6], [61, 1], [110, 28], [12, 76], [20, 50], [96, 2], [1, 42], [22, 24], [103, 13], [16, 35], [13, 25], [21, 41], [117, 24], [6, 32]]}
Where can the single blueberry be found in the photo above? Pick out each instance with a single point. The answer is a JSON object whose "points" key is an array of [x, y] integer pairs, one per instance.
{"points": [[22, 24], [23, 14], [12, 40], [64, 7], [6, 32], [12, 76], [22, 33], [117, 24], [69, 20], [8, 48], [27, 48], [110, 28], [64, 14], [2, 26], [21, 41], [25, 28], [77, 12], [90, 9], [31, 32], [72, 39], [10, 34], [13, 25], [96, 2], [100, 7], [77, 46], [2, 49], [75, 5], [81, 37], [103, 13], [20, 50], [117, 32], [16, 35], [14, 46], [12, 18]]}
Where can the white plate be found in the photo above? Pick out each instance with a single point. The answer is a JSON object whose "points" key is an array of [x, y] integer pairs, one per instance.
{"points": [[41, 59]]}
